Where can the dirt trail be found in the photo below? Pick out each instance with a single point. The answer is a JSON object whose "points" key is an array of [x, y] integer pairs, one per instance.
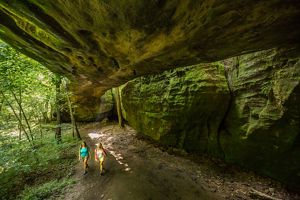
{"points": [[136, 170]]}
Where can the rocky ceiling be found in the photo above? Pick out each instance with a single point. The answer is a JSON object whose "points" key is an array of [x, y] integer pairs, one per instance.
{"points": [[104, 43]]}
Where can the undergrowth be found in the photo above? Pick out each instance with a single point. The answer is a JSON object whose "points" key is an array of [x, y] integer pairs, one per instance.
{"points": [[36, 169], [47, 190]]}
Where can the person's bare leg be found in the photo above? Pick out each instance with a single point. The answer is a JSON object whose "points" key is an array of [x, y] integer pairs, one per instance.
{"points": [[101, 167], [85, 165]]}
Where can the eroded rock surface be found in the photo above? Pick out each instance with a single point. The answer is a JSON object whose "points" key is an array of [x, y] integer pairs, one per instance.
{"points": [[92, 108], [262, 130], [252, 121], [182, 108], [106, 43]]}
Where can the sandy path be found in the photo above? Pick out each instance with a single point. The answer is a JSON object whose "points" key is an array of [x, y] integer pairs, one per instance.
{"points": [[136, 170], [131, 172]]}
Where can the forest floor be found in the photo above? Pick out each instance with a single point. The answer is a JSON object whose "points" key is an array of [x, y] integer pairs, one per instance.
{"points": [[138, 169]]}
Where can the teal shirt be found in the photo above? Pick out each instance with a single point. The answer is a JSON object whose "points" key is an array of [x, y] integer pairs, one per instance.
{"points": [[84, 152]]}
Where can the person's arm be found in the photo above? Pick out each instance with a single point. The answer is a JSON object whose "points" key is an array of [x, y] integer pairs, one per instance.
{"points": [[79, 154], [95, 152]]}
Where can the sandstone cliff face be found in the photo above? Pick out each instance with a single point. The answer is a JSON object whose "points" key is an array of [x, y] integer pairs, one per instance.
{"points": [[106, 43], [182, 108], [262, 129], [251, 117], [92, 108]]}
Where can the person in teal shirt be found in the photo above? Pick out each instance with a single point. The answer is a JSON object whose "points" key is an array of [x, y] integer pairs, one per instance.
{"points": [[84, 155]]}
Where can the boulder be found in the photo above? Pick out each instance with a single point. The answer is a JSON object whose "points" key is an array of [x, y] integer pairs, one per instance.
{"points": [[182, 108]]}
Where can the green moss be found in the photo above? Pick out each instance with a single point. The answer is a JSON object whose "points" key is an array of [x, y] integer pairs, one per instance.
{"points": [[181, 108], [262, 126]]}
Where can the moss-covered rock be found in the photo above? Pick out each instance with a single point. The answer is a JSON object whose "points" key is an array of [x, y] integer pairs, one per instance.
{"points": [[262, 129], [182, 108], [251, 117], [111, 42], [92, 108]]}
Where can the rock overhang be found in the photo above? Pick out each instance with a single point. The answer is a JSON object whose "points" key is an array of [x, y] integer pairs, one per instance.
{"points": [[102, 44]]}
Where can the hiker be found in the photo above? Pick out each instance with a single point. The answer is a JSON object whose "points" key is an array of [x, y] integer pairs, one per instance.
{"points": [[84, 154], [100, 155]]}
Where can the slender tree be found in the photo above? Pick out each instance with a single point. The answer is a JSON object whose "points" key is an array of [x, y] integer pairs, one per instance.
{"points": [[20, 113], [58, 108], [71, 111], [23, 113], [118, 104], [17, 117]]}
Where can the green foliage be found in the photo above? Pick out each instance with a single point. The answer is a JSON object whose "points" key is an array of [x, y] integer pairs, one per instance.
{"points": [[27, 100], [46, 190], [20, 163], [30, 82]]}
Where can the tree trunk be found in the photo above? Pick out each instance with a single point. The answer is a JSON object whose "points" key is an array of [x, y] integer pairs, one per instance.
{"points": [[25, 118], [1, 104], [58, 108], [77, 131], [20, 114], [51, 112], [45, 112], [71, 114], [118, 104], [17, 117], [73, 121]]}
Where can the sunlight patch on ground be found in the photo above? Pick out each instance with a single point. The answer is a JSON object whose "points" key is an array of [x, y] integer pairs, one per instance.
{"points": [[14, 133], [99, 136], [95, 135], [118, 158]]}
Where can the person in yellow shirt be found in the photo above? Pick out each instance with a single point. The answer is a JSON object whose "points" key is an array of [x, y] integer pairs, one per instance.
{"points": [[100, 155]]}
